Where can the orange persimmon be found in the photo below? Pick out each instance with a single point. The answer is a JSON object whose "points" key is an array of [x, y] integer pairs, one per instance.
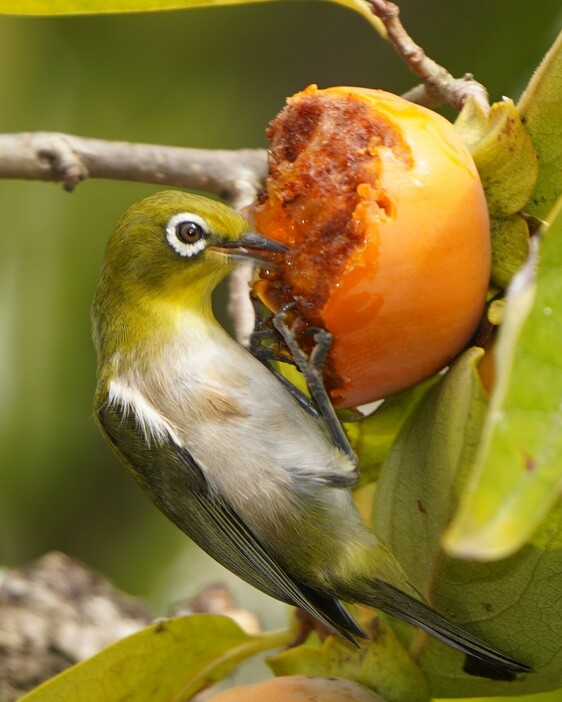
{"points": [[299, 688], [384, 214]]}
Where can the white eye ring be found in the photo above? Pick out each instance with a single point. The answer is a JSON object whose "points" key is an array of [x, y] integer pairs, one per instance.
{"points": [[181, 247]]}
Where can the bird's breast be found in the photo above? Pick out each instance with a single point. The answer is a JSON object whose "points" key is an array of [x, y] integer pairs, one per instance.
{"points": [[252, 441]]}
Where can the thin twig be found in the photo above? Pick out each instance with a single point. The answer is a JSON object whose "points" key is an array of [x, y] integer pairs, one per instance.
{"points": [[234, 175], [439, 86], [240, 306]]}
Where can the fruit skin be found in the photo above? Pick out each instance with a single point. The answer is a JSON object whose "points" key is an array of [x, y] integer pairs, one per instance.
{"points": [[299, 688], [403, 287]]}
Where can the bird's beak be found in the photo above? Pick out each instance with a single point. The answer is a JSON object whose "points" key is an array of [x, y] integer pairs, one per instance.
{"points": [[252, 241], [249, 247]]}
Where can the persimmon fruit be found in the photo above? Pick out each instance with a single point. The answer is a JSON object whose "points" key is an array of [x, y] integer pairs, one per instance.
{"points": [[381, 207], [299, 688]]}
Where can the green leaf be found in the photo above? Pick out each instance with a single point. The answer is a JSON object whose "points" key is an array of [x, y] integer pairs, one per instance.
{"points": [[170, 660], [518, 474], [510, 248], [381, 664], [541, 108], [418, 488], [372, 438], [512, 604], [90, 7]]}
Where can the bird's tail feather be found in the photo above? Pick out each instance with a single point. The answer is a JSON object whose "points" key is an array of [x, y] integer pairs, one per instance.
{"points": [[482, 659]]}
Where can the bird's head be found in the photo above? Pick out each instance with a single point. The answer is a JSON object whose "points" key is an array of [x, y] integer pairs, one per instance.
{"points": [[167, 254], [174, 244]]}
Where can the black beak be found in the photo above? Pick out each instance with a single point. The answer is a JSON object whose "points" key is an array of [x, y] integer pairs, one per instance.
{"points": [[252, 241]]}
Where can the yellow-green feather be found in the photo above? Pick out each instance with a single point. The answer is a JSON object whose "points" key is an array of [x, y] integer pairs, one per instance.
{"points": [[146, 286]]}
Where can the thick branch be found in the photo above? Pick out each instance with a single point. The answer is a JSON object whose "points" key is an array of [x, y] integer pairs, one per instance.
{"points": [[234, 175], [439, 86]]}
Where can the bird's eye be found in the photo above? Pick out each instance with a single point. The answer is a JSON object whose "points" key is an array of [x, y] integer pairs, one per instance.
{"points": [[189, 232]]}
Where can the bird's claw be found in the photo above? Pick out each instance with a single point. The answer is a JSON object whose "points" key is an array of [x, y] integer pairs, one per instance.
{"points": [[264, 331], [312, 367]]}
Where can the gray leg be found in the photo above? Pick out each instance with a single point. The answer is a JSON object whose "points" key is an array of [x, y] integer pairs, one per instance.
{"points": [[311, 367], [266, 354]]}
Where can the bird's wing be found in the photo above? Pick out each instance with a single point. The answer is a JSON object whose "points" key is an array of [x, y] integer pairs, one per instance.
{"points": [[176, 484]]}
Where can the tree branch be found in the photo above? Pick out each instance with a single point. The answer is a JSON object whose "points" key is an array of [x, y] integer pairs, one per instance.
{"points": [[236, 176], [233, 175], [439, 86]]}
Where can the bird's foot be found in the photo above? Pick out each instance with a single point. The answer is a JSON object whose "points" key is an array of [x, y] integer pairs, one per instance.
{"points": [[312, 367]]}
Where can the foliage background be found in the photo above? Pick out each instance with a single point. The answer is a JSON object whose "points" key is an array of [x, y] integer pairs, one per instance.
{"points": [[211, 78]]}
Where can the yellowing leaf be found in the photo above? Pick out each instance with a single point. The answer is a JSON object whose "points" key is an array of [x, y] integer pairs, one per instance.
{"points": [[541, 108], [512, 604], [518, 476], [555, 696], [170, 660], [86, 7], [381, 664]]}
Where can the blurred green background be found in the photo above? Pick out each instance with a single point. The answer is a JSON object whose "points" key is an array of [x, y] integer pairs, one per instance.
{"points": [[207, 78]]}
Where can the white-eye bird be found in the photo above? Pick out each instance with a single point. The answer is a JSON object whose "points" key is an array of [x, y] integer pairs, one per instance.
{"points": [[219, 444]]}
